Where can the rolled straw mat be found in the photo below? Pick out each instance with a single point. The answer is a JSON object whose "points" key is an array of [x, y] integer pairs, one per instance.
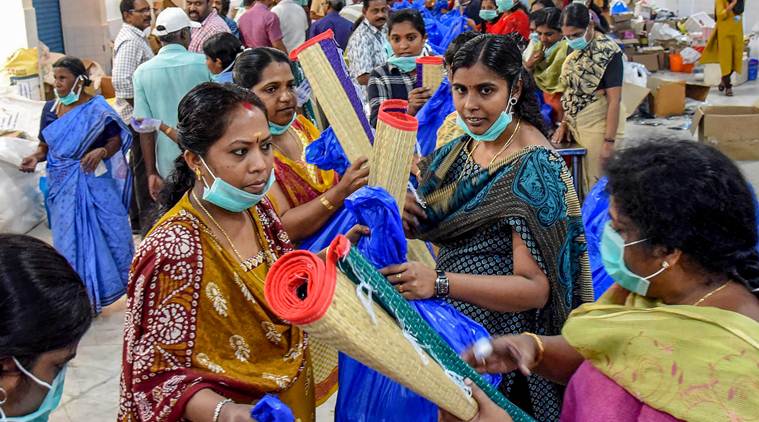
{"points": [[325, 70], [322, 299], [429, 72], [394, 146]]}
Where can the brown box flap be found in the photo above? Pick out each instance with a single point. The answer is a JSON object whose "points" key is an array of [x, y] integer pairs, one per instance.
{"points": [[698, 92], [632, 96], [734, 130]]}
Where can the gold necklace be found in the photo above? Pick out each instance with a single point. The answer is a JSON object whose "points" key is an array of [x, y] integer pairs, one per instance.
{"points": [[505, 146], [708, 295], [246, 264]]}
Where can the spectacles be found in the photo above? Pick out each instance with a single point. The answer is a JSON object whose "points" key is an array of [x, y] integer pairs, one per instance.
{"points": [[144, 11]]}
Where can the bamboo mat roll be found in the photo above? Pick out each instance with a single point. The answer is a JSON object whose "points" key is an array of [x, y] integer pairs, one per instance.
{"points": [[329, 310], [326, 73], [322, 299], [429, 72], [394, 147]]}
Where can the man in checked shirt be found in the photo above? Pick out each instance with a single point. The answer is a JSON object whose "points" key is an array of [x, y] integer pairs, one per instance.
{"points": [[130, 50]]}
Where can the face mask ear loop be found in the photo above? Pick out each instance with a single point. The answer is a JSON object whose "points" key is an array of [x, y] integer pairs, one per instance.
{"points": [[209, 171], [30, 375], [664, 267]]}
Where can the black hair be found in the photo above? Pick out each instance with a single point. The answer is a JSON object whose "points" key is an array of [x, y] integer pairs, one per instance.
{"points": [[224, 7], [204, 115], [456, 44], [550, 17], [75, 66], [125, 6], [336, 5], [43, 302], [411, 16], [251, 64], [689, 196], [223, 46], [578, 15], [366, 3], [248, 3], [546, 3], [502, 55]]}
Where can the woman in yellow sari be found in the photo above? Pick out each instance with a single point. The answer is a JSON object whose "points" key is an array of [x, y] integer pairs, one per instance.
{"points": [[304, 196], [200, 342], [591, 78], [677, 336], [725, 46]]}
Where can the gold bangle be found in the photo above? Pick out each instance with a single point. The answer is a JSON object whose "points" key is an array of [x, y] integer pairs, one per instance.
{"points": [[328, 205], [541, 347]]}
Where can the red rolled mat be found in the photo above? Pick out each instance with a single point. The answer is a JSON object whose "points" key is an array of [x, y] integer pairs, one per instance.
{"points": [[299, 272]]}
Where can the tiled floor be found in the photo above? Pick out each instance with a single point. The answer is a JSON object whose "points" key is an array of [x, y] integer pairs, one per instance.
{"points": [[92, 384]]}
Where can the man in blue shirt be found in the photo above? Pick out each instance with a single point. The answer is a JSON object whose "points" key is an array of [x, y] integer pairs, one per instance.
{"points": [[222, 7], [332, 20], [159, 85]]}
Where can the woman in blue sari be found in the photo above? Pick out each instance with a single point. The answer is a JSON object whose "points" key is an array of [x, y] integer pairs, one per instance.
{"points": [[85, 143], [499, 204]]}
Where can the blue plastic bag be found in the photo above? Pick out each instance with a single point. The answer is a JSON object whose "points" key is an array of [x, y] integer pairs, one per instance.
{"points": [[327, 153], [271, 409], [365, 394], [595, 214], [432, 115]]}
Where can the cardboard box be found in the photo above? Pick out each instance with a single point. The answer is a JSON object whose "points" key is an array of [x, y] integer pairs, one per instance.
{"points": [[632, 96], [698, 92], [667, 97], [650, 60], [733, 130], [623, 17]]}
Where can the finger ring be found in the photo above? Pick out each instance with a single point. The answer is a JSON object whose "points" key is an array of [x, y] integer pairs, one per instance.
{"points": [[398, 276], [400, 289]]}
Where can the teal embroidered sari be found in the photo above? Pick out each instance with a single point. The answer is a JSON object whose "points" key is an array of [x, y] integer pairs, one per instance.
{"points": [[471, 213]]}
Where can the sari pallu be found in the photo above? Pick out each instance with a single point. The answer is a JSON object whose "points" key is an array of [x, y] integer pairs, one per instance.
{"points": [[302, 182], [691, 363], [89, 213], [196, 320]]}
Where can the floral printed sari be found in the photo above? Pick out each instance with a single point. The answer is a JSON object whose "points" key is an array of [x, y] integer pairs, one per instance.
{"points": [[197, 320]]}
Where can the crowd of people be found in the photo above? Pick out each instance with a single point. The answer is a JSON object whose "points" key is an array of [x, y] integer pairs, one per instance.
{"points": [[203, 154]]}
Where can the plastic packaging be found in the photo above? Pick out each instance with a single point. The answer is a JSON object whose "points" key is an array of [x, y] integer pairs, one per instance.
{"points": [[690, 55], [636, 74], [22, 201], [364, 394], [146, 125], [271, 409], [431, 117], [595, 214], [327, 153]]}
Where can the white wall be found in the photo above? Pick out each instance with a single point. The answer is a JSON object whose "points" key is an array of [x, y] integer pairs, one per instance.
{"points": [[19, 28], [85, 31]]}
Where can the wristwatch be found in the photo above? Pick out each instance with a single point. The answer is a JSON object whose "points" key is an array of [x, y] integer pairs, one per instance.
{"points": [[441, 284]]}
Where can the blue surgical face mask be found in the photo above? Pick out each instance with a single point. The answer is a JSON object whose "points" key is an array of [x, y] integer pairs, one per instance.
{"points": [[232, 199], [504, 5], [406, 64], [579, 43], [548, 51], [534, 37], [277, 130], [495, 130], [71, 97], [488, 14], [49, 403], [613, 257]]}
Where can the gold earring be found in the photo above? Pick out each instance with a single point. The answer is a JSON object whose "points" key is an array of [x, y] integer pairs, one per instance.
{"points": [[197, 173]]}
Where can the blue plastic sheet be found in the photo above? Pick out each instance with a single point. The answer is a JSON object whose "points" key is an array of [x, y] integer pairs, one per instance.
{"points": [[432, 115], [327, 153], [271, 409], [441, 28], [365, 394], [545, 109], [595, 214]]}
